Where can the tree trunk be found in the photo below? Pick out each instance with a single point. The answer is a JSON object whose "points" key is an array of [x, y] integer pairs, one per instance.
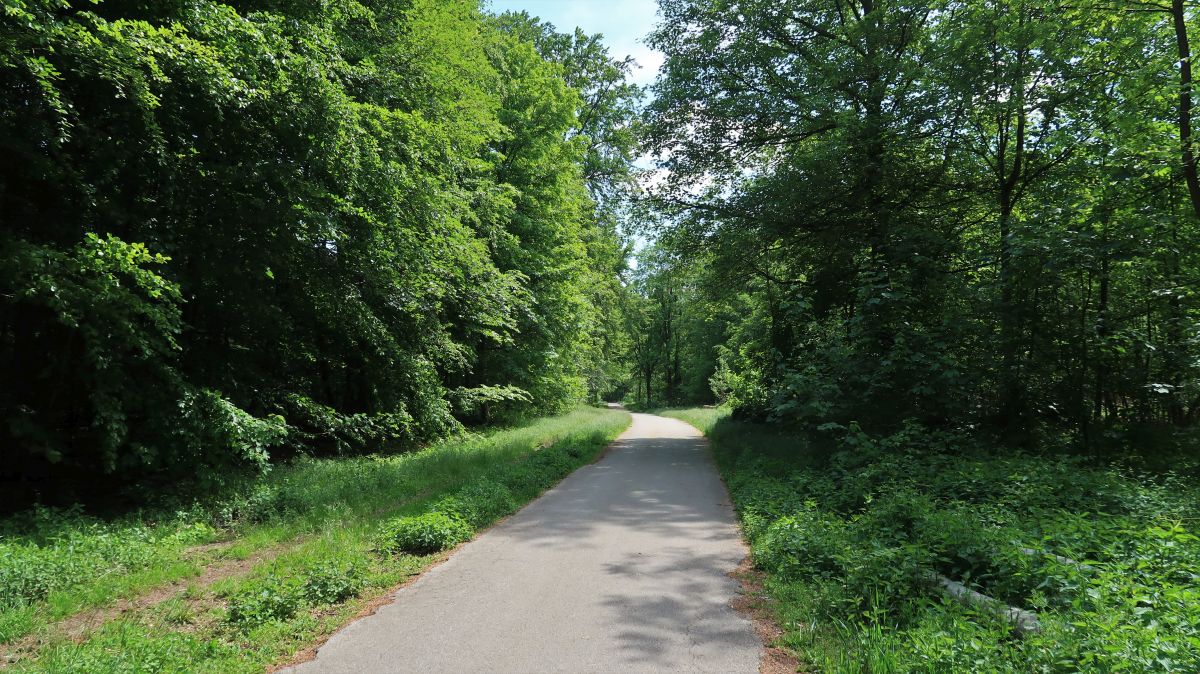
{"points": [[1185, 105], [1101, 387], [1012, 394], [649, 375]]}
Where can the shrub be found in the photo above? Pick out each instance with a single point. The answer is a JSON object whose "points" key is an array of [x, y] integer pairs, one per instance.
{"points": [[259, 504], [523, 478], [208, 420], [848, 541], [29, 572], [966, 546], [479, 503], [884, 578], [804, 543], [106, 323], [26, 574], [491, 403], [423, 534], [765, 496], [895, 516], [329, 431], [274, 599], [331, 582]]}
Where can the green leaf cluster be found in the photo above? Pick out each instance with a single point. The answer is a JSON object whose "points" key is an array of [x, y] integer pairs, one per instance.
{"points": [[973, 214], [240, 231]]}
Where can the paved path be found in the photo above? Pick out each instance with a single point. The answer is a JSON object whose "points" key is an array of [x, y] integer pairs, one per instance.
{"points": [[620, 568]]}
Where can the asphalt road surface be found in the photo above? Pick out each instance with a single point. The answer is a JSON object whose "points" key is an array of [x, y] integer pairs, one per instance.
{"points": [[620, 568]]}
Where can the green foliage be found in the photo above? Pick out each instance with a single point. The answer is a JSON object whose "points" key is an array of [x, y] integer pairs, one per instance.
{"points": [[71, 549], [964, 213], [57, 563], [423, 534], [258, 503], [506, 402], [123, 318], [324, 428], [207, 420], [849, 535], [331, 582], [237, 235], [479, 503], [530, 477], [800, 544], [128, 647], [272, 599]]}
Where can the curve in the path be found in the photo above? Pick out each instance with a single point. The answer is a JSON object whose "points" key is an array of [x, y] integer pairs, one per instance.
{"points": [[622, 567]]}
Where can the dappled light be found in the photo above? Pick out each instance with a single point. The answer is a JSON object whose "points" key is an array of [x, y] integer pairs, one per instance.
{"points": [[319, 323]]}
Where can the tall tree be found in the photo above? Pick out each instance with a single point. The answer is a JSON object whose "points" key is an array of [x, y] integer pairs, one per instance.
{"points": [[244, 230]]}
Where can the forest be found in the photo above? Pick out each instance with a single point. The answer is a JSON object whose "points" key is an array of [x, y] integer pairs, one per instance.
{"points": [[311, 292], [955, 213], [237, 233], [938, 264]]}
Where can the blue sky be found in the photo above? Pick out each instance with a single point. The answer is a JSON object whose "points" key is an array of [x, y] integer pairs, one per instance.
{"points": [[623, 22]]}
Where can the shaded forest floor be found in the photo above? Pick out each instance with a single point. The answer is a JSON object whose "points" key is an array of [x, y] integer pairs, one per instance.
{"points": [[249, 581], [852, 544]]}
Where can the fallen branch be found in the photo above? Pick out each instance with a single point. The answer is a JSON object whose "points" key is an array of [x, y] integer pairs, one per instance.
{"points": [[1024, 622], [1058, 558]]}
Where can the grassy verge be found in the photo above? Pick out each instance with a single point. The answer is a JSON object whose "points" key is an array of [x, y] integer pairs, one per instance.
{"points": [[248, 581], [848, 537]]}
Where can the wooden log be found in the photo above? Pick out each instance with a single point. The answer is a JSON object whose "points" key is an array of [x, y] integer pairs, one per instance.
{"points": [[1058, 558], [1024, 622]]}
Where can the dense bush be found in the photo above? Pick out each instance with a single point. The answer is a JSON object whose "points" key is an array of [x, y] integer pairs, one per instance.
{"points": [[278, 597], [479, 503], [75, 550], [849, 536], [423, 534], [232, 232], [801, 544], [331, 582], [272, 599]]}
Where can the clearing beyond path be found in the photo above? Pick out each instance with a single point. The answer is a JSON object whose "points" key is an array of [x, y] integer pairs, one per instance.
{"points": [[620, 568]]}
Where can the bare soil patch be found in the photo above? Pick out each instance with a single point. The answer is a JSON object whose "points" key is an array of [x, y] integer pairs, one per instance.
{"points": [[79, 626], [753, 603]]}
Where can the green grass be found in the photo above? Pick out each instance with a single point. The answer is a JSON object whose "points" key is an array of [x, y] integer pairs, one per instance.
{"points": [[322, 518], [848, 534]]}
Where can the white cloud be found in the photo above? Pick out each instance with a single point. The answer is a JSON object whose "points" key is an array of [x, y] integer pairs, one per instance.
{"points": [[624, 23]]}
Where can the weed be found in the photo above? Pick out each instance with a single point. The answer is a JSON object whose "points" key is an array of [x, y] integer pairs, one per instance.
{"points": [[324, 515], [272, 599], [332, 582], [175, 612], [479, 503], [850, 534], [423, 534]]}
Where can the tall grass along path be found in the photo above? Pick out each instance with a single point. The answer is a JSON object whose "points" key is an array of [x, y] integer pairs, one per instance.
{"points": [[620, 568]]}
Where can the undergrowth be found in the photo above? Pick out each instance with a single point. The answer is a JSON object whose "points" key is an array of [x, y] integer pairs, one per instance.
{"points": [[1107, 557], [325, 519]]}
